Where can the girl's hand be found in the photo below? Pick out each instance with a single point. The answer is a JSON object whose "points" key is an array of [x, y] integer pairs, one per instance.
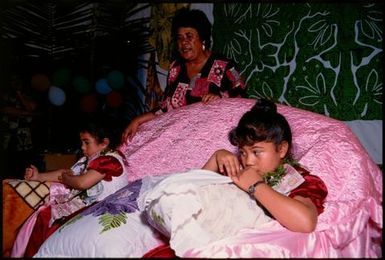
{"points": [[65, 174], [31, 173], [228, 163], [209, 97], [246, 177]]}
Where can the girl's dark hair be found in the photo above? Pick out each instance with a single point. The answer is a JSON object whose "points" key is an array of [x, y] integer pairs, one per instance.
{"points": [[261, 123], [194, 18], [100, 129]]}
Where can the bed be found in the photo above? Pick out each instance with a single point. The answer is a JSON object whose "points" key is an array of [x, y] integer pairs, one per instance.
{"points": [[183, 139]]}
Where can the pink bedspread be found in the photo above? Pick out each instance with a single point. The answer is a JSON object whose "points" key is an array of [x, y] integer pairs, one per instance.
{"points": [[351, 224]]}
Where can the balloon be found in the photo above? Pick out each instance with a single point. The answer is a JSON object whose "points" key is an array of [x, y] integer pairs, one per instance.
{"points": [[61, 77], [115, 79], [81, 84], [89, 103], [102, 87], [114, 99], [40, 82], [56, 96]]}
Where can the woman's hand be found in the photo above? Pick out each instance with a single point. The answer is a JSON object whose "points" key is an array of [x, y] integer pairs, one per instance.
{"points": [[31, 173], [209, 97], [130, 130]]}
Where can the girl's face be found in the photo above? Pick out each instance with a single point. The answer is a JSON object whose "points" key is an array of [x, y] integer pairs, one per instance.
{"points": [[189, 44], [90, 144], [263, 156]]}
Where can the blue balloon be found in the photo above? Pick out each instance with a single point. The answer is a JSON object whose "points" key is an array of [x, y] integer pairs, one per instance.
{"points": [[56, 96], [102, 87]]}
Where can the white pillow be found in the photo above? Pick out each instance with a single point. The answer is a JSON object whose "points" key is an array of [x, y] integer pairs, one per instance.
{"points": [[85, 239], [198, 207], [111, 228]]}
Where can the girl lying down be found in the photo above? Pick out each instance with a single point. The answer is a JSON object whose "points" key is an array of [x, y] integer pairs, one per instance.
{"points": [[194, 208]]}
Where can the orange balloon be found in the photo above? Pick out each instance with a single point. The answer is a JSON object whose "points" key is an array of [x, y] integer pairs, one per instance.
{"points": [[89, 103], [40, 82]]}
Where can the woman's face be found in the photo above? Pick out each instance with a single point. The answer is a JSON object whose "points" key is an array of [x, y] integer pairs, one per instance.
{"points": [[189, 44], [90, 144], [263, 156]]}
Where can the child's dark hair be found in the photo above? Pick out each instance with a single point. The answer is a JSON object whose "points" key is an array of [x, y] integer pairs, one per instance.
{"points": [[100, 129], [261, 123]]}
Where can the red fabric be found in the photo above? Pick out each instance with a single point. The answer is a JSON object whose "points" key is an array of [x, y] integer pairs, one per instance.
{"points": [[201, 88], [41, 231], [163, 251], [108, 165], [214, 78], [313, 188]]}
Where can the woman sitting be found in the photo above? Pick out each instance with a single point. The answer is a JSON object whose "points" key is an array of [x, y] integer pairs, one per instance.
{"points": [[197, 74]]}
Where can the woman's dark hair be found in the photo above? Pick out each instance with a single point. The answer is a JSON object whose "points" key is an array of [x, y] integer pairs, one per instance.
{"points": [[100, 129], [194, 18], [261, 123]]}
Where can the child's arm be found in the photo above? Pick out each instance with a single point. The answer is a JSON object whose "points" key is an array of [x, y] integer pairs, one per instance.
{"points": [[224, 162], [65, 176], [83, 181], [32, 174], [297, 214]]}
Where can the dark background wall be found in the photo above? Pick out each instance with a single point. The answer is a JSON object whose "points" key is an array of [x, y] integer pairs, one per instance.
{"points": [[80, 59]]}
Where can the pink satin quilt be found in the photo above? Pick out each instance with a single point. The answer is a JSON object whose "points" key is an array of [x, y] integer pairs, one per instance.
{"points": [[350, 226]]}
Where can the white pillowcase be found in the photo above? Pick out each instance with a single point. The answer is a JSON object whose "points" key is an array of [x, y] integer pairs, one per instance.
{"points": [[199, 207], [83, 238]]}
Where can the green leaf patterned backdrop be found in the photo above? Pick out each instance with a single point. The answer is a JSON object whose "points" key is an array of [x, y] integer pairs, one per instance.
{"points": [[323, 57]]}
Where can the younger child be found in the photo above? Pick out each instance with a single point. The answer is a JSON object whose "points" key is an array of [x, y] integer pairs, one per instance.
{"points": [[99, 173]]}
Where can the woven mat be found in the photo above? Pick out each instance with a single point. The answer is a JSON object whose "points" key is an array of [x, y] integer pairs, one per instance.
{"points": [[34, 193]]}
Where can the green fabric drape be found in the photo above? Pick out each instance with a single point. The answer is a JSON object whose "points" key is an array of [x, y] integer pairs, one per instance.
{"points": [[323, 57]]}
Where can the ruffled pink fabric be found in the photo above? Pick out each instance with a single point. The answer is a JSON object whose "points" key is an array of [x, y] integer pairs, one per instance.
{"points": [[351, 223]]}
